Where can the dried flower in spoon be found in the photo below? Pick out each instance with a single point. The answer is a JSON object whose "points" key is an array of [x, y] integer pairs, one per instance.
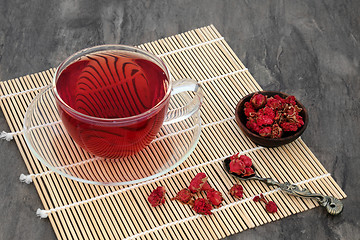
{"points": [[241, 165]]}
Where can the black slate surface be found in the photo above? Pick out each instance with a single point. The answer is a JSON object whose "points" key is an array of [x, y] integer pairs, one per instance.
{"points": [[306, 48]]}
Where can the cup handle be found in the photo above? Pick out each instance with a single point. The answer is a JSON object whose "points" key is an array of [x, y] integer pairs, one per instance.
{"points": [[191, 107]]}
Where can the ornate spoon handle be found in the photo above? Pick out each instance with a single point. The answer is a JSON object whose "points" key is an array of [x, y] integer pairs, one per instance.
{"points": [[333, 205]]}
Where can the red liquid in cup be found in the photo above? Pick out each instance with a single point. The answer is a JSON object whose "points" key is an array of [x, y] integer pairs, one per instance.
{"points": [[111, 85]]}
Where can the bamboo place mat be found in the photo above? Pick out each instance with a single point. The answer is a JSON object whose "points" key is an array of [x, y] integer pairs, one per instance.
{"points": [[82, 211]]}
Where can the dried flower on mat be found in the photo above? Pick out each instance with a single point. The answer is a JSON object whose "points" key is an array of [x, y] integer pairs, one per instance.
{"points": [[270, 206], [202, 206], [270, 117], [197, 182], [215, 197], [236, 191], [184, 196], [157, 197], [206, 187]]}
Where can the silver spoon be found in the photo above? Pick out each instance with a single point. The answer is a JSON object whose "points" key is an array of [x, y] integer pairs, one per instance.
{"points": [[333, 205]]}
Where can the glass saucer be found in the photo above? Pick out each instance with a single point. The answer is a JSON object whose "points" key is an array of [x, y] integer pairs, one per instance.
{"points": [[49, 141]]}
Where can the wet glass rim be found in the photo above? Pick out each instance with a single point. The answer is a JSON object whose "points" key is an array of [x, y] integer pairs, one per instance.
{"points": [[112, 121]]}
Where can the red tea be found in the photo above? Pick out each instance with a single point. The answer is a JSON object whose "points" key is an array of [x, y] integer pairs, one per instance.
{"points": [[112, 85]]}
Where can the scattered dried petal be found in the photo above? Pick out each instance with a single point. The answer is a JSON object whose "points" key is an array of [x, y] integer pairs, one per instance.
{"points": [[197, 182], [202, 206], [157, 197], [215, 197], [184, 196], [236, 191]]}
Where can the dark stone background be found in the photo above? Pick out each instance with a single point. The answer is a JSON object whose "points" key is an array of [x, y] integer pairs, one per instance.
{"points": [[306, 48]]}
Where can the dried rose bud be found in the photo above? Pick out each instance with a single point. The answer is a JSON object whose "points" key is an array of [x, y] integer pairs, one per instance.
{"points": [[290, 100], [252, 125], [197, 182], [288, 126], [259, 198], [265, 132], [184, 196], [236, 191], [256, 199], [247, 161], [206, 187], [268, 112], [271, 207], [264, 120], [157, 197], [258, 100], [248, 172], [202, 206], [300, 121], [276, 131], [249, 111], [215, 197], [237, 166], [274, 103]]}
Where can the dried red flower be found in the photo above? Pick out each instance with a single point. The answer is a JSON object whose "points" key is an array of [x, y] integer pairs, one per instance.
{"points": [[184, 196], [264, 120], [256, 199], [197, 182], [274, 103], [247, 161], [248, 172], [206, 187], [215, 197], [271, 207], [265, 132], [252, 125], [236, 191], [157, 197], [237, 166], [202, 206], [276, 131], [289, 126], [249, 110], [290, 100], [258, 100]]}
